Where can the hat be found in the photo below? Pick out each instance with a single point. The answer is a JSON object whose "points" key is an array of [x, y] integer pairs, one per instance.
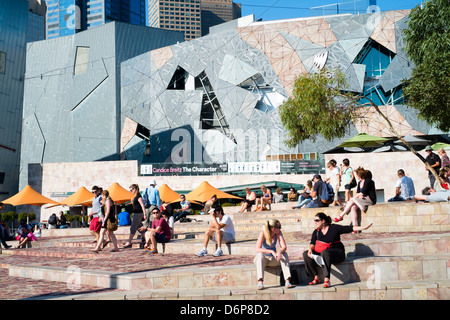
{"points": [[123, 209], [317, 176], [211, 210], [153, 182], [428, 148]]}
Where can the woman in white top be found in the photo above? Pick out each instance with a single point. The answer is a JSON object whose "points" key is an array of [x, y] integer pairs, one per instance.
{"points": [[267, 253]]}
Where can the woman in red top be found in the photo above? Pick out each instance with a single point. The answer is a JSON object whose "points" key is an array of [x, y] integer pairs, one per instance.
{"points": [[326, 243]]}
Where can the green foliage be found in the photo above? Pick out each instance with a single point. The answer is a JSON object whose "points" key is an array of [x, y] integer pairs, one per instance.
{"points": [[9, 216], [23, 216], [319, 106], [428, 46]]}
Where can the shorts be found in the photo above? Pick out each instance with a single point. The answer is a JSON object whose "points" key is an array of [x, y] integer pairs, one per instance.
{"points": [[250, 202], [226, 238], [95, 225], [160, 238]]}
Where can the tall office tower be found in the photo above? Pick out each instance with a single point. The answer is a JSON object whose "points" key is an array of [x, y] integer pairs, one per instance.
{"points": [[36, 20], [179, 15], [65, 17], [13, 36], [214, 12]]}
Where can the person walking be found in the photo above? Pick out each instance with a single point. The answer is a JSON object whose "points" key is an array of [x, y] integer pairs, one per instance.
{"points": [[267, 253], [151, 199], [139, 214], [95, 216], [348, 179], [326, 244], [108, 217]]}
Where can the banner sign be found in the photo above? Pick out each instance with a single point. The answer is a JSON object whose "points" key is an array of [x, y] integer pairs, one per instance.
{"points": [[171, 169], [261, 167], [303, 167]]}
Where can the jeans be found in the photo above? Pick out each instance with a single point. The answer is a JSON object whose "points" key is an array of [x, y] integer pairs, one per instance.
{"points": [[3, 236], [181, 214], [302, 201]]}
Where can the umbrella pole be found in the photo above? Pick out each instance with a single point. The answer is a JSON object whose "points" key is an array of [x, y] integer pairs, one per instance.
{"points": [[28, 214], [82, 216]]}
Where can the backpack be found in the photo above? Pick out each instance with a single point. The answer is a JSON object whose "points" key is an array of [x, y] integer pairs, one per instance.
{"points": [[145, 198], [52, 219], [326, 193]]}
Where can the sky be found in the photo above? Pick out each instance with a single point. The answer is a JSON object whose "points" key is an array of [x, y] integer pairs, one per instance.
{"points": [[288, 9]]}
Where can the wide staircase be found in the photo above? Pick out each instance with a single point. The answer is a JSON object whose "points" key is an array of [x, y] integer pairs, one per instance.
{"points": [[404, 255]]}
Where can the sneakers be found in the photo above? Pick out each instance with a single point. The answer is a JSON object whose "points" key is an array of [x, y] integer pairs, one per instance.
{"points": [[218, 253], [202, 253]]}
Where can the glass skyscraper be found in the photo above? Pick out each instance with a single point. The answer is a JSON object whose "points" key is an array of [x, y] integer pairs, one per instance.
{"points": [[65, 17]]}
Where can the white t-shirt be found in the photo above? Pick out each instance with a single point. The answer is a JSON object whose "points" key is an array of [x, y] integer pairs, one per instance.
{"points": [[334, 180], [229, 227]]}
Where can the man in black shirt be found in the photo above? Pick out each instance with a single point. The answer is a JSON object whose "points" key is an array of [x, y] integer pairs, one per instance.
{"points": [[435, 162], [315, 193]]}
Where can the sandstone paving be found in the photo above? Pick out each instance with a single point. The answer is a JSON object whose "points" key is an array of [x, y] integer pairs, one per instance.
{"points": [[45, 253]]}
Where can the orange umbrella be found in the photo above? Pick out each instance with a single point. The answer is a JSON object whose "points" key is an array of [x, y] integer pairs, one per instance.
{"points": [[81, 197], [167, 194], [28, 196], [205, 191], [119, 194]]}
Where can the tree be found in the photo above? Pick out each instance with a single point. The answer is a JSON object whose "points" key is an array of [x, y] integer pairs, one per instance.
{"points": [[320, 105], [428, 46]]}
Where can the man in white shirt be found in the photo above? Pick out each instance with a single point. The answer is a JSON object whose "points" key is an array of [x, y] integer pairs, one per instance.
{"points": [[334, 180], [220, 231]]}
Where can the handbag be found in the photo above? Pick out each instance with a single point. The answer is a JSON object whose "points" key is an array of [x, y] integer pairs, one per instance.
{"points": [[320, 246], [111, 226]]}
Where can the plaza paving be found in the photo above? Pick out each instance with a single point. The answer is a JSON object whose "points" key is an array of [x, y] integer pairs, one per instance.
{"points": [[415, 265]]}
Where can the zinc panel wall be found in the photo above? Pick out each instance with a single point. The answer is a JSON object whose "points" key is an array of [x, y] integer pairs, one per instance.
{"points": [[13, 27]]}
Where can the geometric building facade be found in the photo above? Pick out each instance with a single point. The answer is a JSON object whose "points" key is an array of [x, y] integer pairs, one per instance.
{"points": [[222, 91], [72, 104], [144, 94]]}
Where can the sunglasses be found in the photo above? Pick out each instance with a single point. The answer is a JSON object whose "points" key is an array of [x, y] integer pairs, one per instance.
{"points": [[279, 227], [316, 220], [155, 212]]}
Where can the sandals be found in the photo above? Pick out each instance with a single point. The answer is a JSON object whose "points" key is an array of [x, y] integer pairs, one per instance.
{"points": [[260, 286], [326, 284], [314, 282], [338, 218]]}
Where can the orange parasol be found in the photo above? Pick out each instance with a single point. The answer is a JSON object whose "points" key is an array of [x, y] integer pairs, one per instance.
{"points": [[118, 194], [81, 197], [205, 191], [28, 196]]}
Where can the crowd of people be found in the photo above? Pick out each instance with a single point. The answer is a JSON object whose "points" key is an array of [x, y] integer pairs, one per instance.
{"points": [[154, 219]]}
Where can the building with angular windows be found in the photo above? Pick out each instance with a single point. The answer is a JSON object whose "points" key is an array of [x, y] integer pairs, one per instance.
{"points": [[229, 84], [212, 101]]}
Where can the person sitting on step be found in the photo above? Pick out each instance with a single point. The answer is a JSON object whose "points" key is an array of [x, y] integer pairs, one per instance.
{"points": [[267, 253], [220, 231]]}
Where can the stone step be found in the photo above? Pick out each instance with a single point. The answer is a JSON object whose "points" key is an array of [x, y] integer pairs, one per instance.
{"points": [[391, 290], [356, 245], [374, 271]]}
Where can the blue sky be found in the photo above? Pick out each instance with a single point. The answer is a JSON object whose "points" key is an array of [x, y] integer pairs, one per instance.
{"points": [[287, 9]]}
